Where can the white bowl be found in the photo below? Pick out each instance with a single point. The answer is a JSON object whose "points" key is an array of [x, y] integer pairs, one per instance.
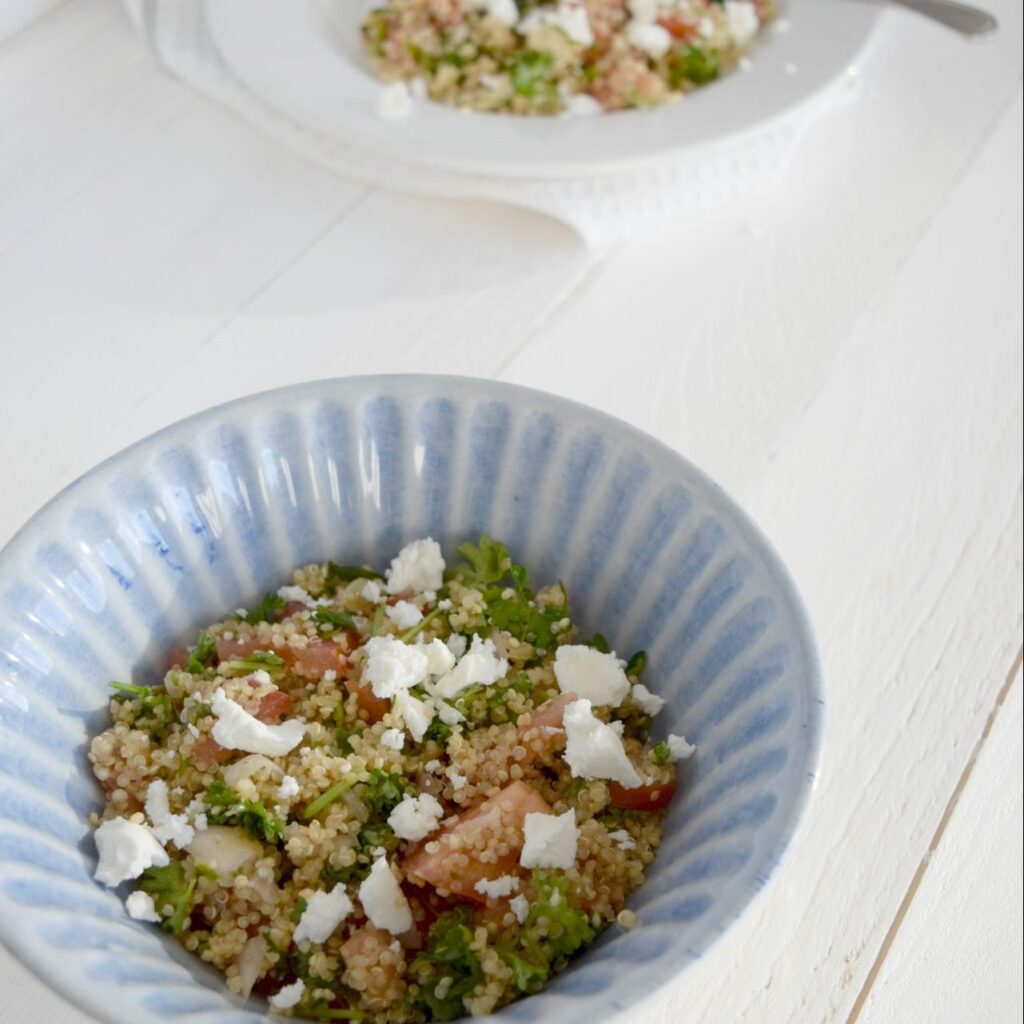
{"points": [[211, 512], [311, 67]]}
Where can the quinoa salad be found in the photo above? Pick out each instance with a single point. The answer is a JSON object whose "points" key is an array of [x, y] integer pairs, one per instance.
{"points": [[402, 798], [556, 56]]}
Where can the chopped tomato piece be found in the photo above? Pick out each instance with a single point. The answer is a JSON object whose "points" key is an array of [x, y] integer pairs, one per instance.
{"points": [[551, 715], [207, 753], [371, 707], [273, 707], [178, 658], [309, 662], [655, 796], [266, 985], [678, 29], [361, 951], [290, 609], [450, 859], [316, 658], [229, 650]]}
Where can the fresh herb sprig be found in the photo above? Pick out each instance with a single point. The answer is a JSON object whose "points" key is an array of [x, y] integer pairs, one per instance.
{"points": [[448, 958], [155, 710], [510, 605], [226, 807], [271, 663], [531, 961], [203, 655], [169, 888], [336, 575], [268, 610]]}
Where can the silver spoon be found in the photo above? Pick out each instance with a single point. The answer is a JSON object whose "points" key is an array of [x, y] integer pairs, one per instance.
{"points": [[968, 21]]}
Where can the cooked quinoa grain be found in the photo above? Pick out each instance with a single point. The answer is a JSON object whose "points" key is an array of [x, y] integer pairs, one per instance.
{"points": [[560, 56], [328, 801]]}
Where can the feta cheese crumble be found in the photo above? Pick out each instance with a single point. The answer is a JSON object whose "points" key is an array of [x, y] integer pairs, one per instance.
{"points": [[418, 566], [404, 614], [392, 666], [289, 788], [371, 592], [741, 21], [383, 900], [415, 817], [580, 104], [520, 907], [480, 664], [288, 997], [457, 644], [140, 907], [448, 714], [649, 38], [394, 739], [125, 850], [414, 713], [679, 749], [236, 729], [167, 827], [549, 840], [649, 703], [498, 887], [568, 17], [324, 912], [298, 594], [591, 674], [440, 658], [594, 750], [622, 839]]}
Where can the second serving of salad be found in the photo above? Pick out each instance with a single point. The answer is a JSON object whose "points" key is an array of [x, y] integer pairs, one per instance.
{"points": [[558, 56]]}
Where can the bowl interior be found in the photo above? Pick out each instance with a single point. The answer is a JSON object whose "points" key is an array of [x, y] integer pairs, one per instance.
{"points": [[212, 512]]}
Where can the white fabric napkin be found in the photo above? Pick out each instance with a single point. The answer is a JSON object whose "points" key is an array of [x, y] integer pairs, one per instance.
{"points": [[603, 209]]}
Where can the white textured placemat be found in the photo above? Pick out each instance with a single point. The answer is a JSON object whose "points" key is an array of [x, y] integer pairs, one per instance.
{"points": [[603, 209]]}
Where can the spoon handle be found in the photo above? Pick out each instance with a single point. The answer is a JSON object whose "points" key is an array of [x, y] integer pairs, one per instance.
{"points": [[969, 21]]}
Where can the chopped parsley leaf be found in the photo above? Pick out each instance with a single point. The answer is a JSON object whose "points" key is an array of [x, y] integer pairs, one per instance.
{"points": [[328, 796], [335, 575], [168, 887], [636, 664], [155, 712], [226, 807], [333, 620], [203, 655], [266, 660], [384, 791], [268, 610], [660, 753], [448, 955]]}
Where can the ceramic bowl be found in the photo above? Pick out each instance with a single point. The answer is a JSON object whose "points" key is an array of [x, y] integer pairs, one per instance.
{"points": [[215, 510]]}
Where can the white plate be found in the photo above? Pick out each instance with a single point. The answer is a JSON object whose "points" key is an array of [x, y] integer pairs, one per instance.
{"points": [[310, 65]]}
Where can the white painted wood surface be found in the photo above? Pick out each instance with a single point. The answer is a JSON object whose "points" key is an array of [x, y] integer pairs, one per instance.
{"points": [[843, 355]]}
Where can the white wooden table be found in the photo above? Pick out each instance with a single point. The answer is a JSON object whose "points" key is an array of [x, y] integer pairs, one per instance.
{"points": [[844, 356]]}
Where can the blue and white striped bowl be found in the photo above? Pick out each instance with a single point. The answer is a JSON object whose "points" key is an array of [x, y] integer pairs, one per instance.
{"points": [[211, 512]]}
